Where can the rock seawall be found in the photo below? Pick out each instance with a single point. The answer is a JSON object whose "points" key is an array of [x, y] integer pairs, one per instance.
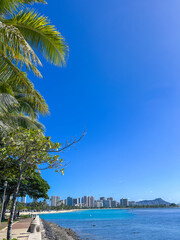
{"points": [[51, 231]]}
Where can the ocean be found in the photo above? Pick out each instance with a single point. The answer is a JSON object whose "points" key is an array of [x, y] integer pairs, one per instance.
{"points": [[117, 224]]}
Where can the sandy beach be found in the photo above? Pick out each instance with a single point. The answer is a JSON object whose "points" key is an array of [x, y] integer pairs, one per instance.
{"points": [[49, 212], [65, 211]]}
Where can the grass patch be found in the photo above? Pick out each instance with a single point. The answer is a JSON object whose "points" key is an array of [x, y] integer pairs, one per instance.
{"points": [[3, 224], [25, 216], [12, 239]]}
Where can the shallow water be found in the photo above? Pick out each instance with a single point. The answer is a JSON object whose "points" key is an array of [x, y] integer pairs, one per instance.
{"points": [[116, 224]]}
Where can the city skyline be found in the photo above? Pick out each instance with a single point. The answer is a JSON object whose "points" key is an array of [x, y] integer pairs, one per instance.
{"points": [[62, 197], [56, 200], [103, 202], [88, 201]]}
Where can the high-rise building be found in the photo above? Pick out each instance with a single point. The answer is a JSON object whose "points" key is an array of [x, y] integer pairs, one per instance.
{"points": [[62, 202], [70, 201], [85, 201], [110, 198], [23, 199], [102, 198], [113, 204], [91, 201], [58, 201], [89, 204], [107, 203], [55, 201], [75, 201], [124, 202], [99, 204]]}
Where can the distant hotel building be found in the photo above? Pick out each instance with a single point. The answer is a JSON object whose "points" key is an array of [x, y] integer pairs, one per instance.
{"points": [[124, 202], [113, 204], [70, 201], [107, 203], [58, 203], [55, 201], [63, 202], [75, 201], [110, 198], [91, 201], [23, 199], [99, 204], [102, 198], [85, 201]]}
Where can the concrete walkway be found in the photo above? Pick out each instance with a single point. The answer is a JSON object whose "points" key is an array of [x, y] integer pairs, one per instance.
{"points": [[20, 230], [35, 236]]}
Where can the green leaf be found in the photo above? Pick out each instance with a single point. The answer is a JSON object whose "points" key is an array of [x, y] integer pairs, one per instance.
{"points": [[38, 31]]}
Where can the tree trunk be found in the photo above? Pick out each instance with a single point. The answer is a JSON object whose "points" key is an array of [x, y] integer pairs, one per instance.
{"points": [[5, 206], [15, 215], [9, 230]]}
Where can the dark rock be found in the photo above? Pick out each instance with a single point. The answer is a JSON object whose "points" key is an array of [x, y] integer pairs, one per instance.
{"points": [[54, 232]]}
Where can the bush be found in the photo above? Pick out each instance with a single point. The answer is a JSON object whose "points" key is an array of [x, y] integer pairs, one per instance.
{"points": [[11, 239], [25, 216]]}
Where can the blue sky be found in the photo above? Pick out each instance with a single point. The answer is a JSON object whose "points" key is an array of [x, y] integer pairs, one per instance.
{"points": [[122, 84]]}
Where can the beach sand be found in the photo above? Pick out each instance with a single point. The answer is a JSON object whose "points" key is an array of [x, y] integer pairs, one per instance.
{"points": [[49, 212]]}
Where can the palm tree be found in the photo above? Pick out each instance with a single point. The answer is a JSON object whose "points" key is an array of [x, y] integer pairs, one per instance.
{"points": [[21, 30], [19, 108]]}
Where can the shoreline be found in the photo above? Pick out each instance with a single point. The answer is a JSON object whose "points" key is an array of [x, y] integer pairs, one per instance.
{"points": [[66, 211], [52, 231], [76, 210], [49, 212]]}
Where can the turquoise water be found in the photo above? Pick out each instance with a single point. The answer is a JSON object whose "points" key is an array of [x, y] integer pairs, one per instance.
{"points": [[116, 224]]}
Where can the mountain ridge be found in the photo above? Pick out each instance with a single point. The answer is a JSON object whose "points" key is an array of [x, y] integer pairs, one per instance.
{"points": [[157, 201]]}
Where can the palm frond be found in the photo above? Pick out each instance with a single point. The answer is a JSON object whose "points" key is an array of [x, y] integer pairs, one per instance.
{"points": [[33, 1], [38, 31], [3, 128], [26, 107], [5, 88], [8, 71], [13, 120], [11, 75], [13, 44], [8, 6], [17, 120], [32, 101], [8, 103]]}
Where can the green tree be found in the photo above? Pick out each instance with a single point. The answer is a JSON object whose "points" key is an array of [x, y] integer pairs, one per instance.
{"points": [[38, 206], [32, 184], [24, 151]]}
